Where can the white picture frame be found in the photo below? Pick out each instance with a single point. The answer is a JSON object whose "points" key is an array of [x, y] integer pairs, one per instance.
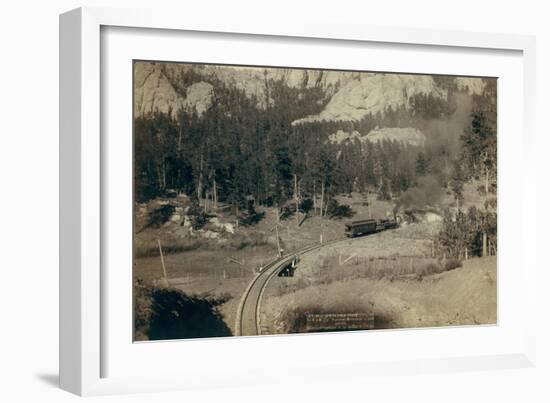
{"points": [[83, 304]]}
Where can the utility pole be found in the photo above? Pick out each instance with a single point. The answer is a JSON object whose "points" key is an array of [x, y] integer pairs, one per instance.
{"points": [[279, 250], [165, 277], [368, 205], [215, 195]]}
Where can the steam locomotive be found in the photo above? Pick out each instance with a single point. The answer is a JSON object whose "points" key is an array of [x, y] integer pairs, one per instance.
{"points": [[369, 226]]}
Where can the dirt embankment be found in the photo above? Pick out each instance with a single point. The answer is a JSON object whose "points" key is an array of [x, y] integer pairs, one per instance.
{"points": [[392, 275], [464, 296]]}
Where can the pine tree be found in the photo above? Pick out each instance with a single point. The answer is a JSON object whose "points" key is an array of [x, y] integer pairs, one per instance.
{"points": [[457, 183], [421, 164]]}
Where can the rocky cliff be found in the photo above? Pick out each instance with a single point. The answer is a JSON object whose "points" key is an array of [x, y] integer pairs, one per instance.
{"points": [[349, 96], [405, 135], [153, 91], [373, 93]]}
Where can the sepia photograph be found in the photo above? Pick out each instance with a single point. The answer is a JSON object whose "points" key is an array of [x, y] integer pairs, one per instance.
{"points": [[274, 200]]}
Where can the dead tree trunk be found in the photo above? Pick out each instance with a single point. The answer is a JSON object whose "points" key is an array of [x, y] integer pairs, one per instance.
{"points": [[277, 236], [215, 195], [296, 197], [314, 199], [368, 205], [199, 185], [322, 197], [486, 181]]}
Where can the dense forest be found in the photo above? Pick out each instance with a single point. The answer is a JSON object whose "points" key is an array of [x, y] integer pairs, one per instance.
{"points": [[244, 148]]}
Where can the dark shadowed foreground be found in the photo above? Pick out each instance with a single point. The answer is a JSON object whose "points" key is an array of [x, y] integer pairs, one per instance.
{"points": [[167, 313]]}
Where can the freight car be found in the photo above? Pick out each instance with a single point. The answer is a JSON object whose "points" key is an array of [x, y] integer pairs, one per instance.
{"points": [[368, 226]]}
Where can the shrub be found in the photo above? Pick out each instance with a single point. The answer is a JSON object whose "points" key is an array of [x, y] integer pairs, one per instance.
{"points": [[252, 216], [241, 241], [452, 264], [170, 246], [286, 211], [161, 215], [197, 215], [306, 205], [335, 210], [433, 268]]}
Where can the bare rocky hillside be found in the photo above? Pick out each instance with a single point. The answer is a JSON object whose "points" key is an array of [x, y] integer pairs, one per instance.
{"points": [[350, 96]]}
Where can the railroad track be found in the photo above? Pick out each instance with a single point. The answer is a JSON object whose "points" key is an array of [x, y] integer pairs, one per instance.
{"points": [[247, 322]]}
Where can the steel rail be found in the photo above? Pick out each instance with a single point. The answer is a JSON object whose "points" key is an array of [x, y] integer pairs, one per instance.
{"points": [[249, 325]]}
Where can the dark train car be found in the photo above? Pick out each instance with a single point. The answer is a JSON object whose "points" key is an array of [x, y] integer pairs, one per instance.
{"points": [[368, 226], [390, 224], [361, 227], [387, 223], [289, 269]]}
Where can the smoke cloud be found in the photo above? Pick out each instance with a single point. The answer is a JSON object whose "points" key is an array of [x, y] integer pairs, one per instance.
{"points": [[426, 194], [444, 134], [443, 139]]}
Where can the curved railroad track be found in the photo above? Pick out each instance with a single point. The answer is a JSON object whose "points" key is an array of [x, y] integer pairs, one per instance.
{"points": [[247, 322]]}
